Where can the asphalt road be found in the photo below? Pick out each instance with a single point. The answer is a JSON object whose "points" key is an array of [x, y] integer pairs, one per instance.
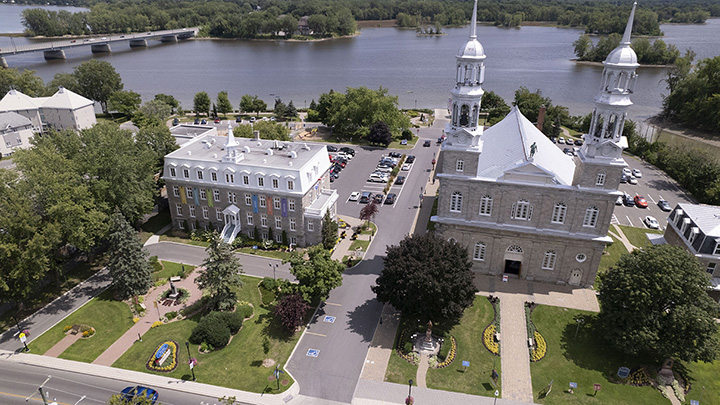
{"points": [[19, 381], [342, 345]]}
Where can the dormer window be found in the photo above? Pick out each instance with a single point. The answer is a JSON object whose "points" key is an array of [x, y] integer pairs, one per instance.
{"points": [[213, 176], [199, 175], [229, 178], [186, 173], [246, 180], [172, 172], [693, 234], [716, 252], [261, 182]]}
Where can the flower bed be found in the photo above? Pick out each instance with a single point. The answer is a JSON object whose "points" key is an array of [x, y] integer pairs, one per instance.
{"points": [[489, 339], [152, 363], [540, 349], [639, 378], [451, 355], [399, 348]]}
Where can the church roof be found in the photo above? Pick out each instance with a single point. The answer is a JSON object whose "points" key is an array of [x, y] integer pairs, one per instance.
{"points": [[66, 99], [15, 100], [705, 217], [508, 146], [12, 120]]}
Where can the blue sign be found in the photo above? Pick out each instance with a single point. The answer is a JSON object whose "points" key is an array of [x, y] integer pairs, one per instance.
{"points": [[694, 402], [255, 247], [255, 203], [313, 352], [161, 351], [623, 372], [466, 363], [573, 385], [283, 207], [329, 319]]}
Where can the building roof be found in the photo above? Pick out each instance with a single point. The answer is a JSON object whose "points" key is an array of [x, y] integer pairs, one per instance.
{"points": [[66, 99], [12, 120], [15, 100], [705, 217], [472, 49], [507, 146]]}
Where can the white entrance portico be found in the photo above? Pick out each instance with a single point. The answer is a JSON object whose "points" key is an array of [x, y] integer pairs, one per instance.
{"points": [[232, 223]]}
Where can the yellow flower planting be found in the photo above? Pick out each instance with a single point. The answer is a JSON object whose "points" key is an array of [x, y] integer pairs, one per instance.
{"points": [[171, 362], [489, 340], [156, 324], [451, 355], [540, 349], [136, 319]]}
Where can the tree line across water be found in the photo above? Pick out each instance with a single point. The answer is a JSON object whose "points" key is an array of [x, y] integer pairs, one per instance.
{"points": [[270, 18]]}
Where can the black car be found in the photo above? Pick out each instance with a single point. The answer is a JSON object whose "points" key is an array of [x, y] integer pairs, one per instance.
{"points": [[331, 148], [426, 144], [578, 142], [379, 198], [197, 121], [348, 150], [629, 200], [410, 159], [400, 180], [390, 199], [664, 205], [395, 154], [238, 119], [176, 121], [366, 197]]}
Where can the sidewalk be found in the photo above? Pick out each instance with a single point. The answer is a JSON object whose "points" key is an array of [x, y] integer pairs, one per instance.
{"points": [[381, 347], [156, 237], [342, 249], [514, 353], [377, 393], [620, 235]]}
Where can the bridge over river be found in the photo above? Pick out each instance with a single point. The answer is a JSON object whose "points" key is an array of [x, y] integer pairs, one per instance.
{"points": [[54, 48]]}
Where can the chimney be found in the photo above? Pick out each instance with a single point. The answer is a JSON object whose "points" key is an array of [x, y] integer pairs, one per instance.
{"points": [[541, 118], [257, 135]]}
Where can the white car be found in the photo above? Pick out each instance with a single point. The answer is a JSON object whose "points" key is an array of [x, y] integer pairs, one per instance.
{"points": [[406, 166], [651, 222], [354, 196], [345, 155], [632, 180], [561, 140], [378, 178], [619, 200], [637, 173], [627, 172], [383, 169]]}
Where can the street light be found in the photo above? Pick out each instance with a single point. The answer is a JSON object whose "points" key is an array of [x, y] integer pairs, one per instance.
{"points": [[187, 345], [274, 267], [409, 400]]}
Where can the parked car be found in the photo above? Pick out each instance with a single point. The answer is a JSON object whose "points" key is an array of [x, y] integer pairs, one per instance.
{"points": [[637, 173], [379, 198], [629, 201], [253, 119], [348, 150], [354, 196], [561, 140], [410, 159], [426, 144], [632, 180], [176, 122], [138, 391], [627, 172], [345, 155], [217, 120], [640, 201], [383, 169], [399, 179], [377, 178], [395, 154], [553, 139], [366, 197], [664, 205], [204, 121], [331, 148], [390, 199], [406, 167], [578, 142], [238, 119], [651, 222], [403, 142], [623, 179], [619, 200], [197, 121]]}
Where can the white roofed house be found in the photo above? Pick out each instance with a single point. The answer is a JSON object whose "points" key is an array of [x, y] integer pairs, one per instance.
{"points": [[16, 131], [244, 185], [63, 110], [522, 207]]}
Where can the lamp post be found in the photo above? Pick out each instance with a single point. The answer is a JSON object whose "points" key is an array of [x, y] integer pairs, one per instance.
{"points": [[579, 321], [409, 400], [16, 323], [274, 267], [192, 368]]}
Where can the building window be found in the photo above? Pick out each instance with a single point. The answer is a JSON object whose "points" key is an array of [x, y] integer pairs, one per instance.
{"points": [[456, 202], [263, 220], [291, 205], [176, 191], [203, 194], [229, 178], [600, 180], [275, 183], [293, 240], [219, 215], [693, 233], [292, 224], [459, 165], [181, 224], [206, 212], [276, 203], [250, 218], [251, 233], [178, 209], [189, 192], [216, 195], [213, 176], [232, 197], [685, 224], [263, 201], [291, 185], [278, 222], [172, 172], [246, 180], [581, 257], [264, 236], [522, 210], [711, 268], [549, 260], [311, 226], [717, 248], [192, 211], [261, 182], [479, 251], [186, 173], [199, 175], [248, 199], [591, 216], [486, 205], [452, 240], [278, 238], [558, 215]]}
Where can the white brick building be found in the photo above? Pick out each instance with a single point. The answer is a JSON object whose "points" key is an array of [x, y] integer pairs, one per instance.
{"points": [[63, 110]]}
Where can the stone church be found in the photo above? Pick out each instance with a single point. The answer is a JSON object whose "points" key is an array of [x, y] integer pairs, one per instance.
{"points": [[521, 206]]}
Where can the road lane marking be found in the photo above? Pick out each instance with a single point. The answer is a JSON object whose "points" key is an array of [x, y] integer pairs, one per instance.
{"points": [[651, 199], [614, 220], [315, 334], [34, 399], [629, 221]]}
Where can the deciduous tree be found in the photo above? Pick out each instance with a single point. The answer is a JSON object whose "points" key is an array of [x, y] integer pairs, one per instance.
{"points": [[317, 275], [428, 278], [223, 103], [124, 101], [169, 100], [220, 273], [201, 103], [379, 133], [128, 266], [291, 310], [655, 302], [250, 103], [368, 212], [97, 80]]}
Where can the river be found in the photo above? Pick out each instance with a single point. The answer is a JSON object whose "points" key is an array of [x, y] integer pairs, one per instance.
{"points": [[418, 69]]}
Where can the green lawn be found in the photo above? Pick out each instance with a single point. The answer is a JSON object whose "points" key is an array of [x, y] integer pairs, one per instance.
{"points": [[610, 256], [275, 254], [239, 365], [636, 236], [359, 244], [584, 359], [476, 379], [175, 237], [705, 383], [399, 370], [171, 269], [110, 318]]}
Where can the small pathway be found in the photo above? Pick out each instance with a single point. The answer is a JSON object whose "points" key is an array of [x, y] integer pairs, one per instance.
{"points": [[156, 237], [514, 353], [620, 235], [671, 395], [342, 249], [152, 315], [62, 345], [381, 347], [422, 370]]}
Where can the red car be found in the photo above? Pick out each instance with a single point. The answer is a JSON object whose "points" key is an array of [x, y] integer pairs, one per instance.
{"points": [[217, 120], [640, 201]]}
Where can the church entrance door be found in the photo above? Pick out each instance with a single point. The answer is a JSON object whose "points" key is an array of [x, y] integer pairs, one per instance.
{"points": [[575, 277], [512, 267]]}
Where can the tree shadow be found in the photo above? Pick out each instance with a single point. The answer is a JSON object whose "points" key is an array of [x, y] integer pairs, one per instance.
{"points": [[256, 363], [364, 318], [273, 328]]}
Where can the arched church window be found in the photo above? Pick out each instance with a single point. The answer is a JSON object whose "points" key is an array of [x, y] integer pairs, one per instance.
{"points": [[466, 77], [609, 81], [514, 249], [598, 126], [464, 115], [611, 126], [455, 114], [475, 116], [621, 126]]}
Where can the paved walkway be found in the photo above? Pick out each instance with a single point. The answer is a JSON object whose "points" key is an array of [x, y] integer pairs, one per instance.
{"points": [[423, 366], [156, 237], [117, 349], [342, 249], [620, 235], [62, 345], [514, 354], [381, 347]]}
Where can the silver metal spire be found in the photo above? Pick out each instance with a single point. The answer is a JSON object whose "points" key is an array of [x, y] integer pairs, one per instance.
{"points": [[473, 23], [628, 28]]}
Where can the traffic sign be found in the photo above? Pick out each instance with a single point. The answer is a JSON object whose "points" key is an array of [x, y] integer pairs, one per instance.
{"points": [[22, 337], [466, 363], [573, 385]]}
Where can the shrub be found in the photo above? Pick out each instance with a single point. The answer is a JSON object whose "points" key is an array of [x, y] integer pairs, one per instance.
{"points": [[406, 134], [233, 320], [212, 331], [408, 347], [67, 328], [155, 263], [204, 347], [266, 345], [171, 315], [196, 306], [156, 324], [451, 355], [269, 283], [244, 309]]}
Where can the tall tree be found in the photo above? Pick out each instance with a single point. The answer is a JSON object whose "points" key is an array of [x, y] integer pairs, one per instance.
{"points": [[655, 302], [220, 273], [66, 80], [124, 101], [169, 100], [26, 82], [152, 113], [317, 275], [379, 133], [329, 231], [291, 310], [223, 103], [97, 80], [201, 103], [158, 140], [250, 103], [130, 270], [427, 277]]}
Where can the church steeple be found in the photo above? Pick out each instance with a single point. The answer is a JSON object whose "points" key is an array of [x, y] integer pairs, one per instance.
{"points": [[464, 130], [231, 152], [605, 140]]}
